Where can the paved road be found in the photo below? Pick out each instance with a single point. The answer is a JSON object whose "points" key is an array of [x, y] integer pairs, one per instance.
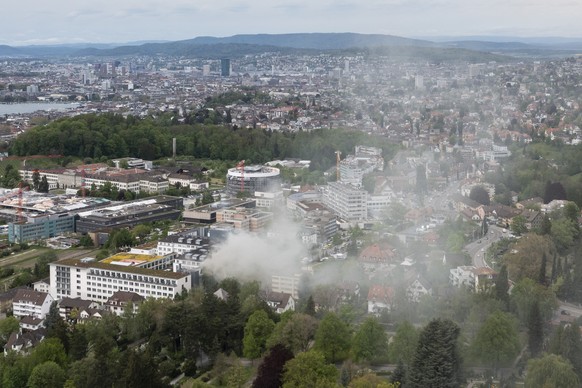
{"points": [[477, 249]]}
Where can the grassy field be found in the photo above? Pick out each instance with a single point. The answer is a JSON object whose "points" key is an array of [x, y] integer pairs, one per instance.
{"points": [[28, 258]]}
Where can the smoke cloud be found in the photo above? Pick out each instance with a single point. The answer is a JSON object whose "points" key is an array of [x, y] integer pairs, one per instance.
{"points": [[253, 256]]}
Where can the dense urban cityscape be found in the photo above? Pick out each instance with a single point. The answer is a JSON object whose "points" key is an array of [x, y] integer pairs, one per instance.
{"points": [[315, 218]]}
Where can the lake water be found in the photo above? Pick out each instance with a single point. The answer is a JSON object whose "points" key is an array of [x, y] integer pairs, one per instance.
{"points": [[29, 107]]}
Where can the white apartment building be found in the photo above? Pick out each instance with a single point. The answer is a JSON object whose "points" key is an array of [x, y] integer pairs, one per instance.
{"points": [[32, 303], [180, 244], [87, 279], [286, 284], [346, 201], [462, 276]]}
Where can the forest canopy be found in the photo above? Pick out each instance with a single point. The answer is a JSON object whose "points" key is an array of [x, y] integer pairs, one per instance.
{"points": [[107, 136]]}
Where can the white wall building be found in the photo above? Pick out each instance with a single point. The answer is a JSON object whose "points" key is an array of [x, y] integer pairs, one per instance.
{"points": [[462, 276], [346, 201], [28, 302], [87, 279]]}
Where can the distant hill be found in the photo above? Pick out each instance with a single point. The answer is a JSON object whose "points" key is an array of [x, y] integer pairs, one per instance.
{"points": [[239, 45], [7, 51], [309, 43], [318, 41], [212, 51]]}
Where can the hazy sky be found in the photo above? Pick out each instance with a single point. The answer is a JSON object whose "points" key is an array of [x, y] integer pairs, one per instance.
{"points": [[66, 21]]}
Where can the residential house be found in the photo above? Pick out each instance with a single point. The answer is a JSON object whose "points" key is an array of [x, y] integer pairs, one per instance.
{"points": [[120, 300], [70, 308], [280, 301], [20, 342], [43, 285], [484, 278], [30, 302], [380, 298], [90, 314], [376, 256], [31, 323], [221, 294], [533, 218], [463, 276], [419, 288]]}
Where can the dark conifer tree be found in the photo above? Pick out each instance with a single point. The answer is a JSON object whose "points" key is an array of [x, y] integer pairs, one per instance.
{"points": [[535, 330], [310, 306], [502, 286], [399, 374], [437, 362], [542, 273]]}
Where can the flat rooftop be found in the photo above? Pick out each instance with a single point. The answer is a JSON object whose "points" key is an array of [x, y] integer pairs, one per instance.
{"points": [[129, 259]]}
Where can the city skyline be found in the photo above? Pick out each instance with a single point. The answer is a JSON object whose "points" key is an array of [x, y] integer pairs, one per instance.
{"points": [[59, 21]]}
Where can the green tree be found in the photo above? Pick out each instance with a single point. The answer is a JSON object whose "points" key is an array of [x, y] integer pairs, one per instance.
{"points": [[502, 286], [535, 329], [563, 232], [309, 369], [257, 330], [566, 342], [370, 342], [497, 341], [332, 338], [8, 326], [35, 180], [403, 344], [50, 349], [550, 371], [543, 266], [47, 375], [141, 371], [437, 345], [310, 306], [43, 186], [518, 225], [370, 380], [295, 332], [546, 226], [525, 293], [480, 195]]}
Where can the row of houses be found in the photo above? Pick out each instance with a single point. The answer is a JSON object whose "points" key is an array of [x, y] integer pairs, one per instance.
{"points": [[135, 179]]}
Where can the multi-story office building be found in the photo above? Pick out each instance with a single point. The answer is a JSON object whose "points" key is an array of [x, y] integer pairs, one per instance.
{"points": [[41, 227], [348, 202], [130, 214], [88, 279], [252, 179], [225, 68]]}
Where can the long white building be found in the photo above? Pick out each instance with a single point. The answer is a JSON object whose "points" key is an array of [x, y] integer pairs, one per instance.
{"points": [[92, 280]]}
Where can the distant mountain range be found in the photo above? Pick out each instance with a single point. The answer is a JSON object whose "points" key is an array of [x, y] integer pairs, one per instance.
{"points": [[237, 45]]}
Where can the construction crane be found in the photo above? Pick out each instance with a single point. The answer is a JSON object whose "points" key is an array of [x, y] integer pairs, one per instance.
{"points": [[19, 209], [241, 166], [337, 166]]}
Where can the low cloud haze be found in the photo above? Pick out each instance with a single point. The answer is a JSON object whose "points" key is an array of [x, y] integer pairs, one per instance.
{"points": [[107, 21]]}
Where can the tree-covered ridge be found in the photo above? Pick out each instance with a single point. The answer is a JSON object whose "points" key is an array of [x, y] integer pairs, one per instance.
{"points": [[108, 136], [536, 169]]}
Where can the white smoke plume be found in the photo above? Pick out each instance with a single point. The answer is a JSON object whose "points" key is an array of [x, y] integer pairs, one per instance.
{"points": [[252, 256]]}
